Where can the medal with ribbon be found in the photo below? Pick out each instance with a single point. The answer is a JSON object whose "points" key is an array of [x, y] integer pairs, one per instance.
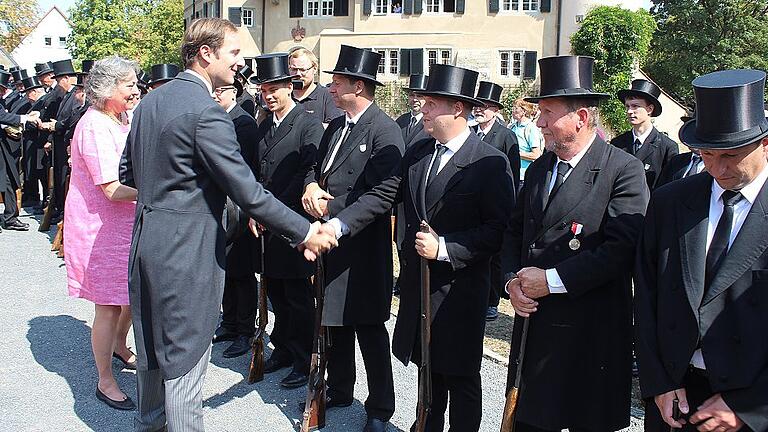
{"points": [[576, 229]]}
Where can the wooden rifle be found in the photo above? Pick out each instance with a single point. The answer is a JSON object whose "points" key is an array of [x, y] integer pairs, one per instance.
{"points": [[425, 367], [513, 395], [314, 408], [256, 368], [45, 224]]}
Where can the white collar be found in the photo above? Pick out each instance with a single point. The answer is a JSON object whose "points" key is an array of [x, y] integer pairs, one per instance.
{"points": [[276, 121], [749, 191], [417, 116], [455, 143], [575, 159], [208, 85], [356, 118], [487, 130], [231, 107], [642, 137]]}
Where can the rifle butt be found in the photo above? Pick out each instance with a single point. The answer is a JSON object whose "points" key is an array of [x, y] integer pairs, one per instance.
{"points": [[510, 409], [256, 368], [18, 198], [56, 245], [314, 413], [45, 224]]}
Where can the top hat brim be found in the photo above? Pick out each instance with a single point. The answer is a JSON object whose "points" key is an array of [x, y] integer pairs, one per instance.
{"points": [[623, 94], [255, 79], [688, 136], [44, 71], [568, 93], [33, 87], [448, 95], [361, 76], [68, 73], [159, 81], [491, 102]]}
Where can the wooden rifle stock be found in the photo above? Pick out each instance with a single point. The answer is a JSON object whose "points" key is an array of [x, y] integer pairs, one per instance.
{"points": [[314, 408], [45, 224], [425, 367], [256, 368], [510, 407]]}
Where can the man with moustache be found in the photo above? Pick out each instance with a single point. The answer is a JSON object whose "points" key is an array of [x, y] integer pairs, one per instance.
{"points": [[444, 181], [357, 152], [184, 160], [313, 98], [700, 286], [286, 155], [644, 141], [410, 123], [568, 258]]}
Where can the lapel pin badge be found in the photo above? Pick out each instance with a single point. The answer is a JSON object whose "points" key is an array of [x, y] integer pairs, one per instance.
{"points": [[576, 229], [363, 147], [647, 167]]}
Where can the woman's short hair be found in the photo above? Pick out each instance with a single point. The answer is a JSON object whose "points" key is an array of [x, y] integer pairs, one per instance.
{"points": [[301, 51], [104, 77], [528, 108], [204, 31]]}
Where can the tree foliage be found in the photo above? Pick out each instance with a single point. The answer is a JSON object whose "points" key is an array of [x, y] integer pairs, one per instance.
{"points": [[618, 39], [696, 37], [17, 18], [147, 31]]}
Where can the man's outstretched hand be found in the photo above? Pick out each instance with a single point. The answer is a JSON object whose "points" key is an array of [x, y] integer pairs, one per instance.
{"points": [[319, 241]]}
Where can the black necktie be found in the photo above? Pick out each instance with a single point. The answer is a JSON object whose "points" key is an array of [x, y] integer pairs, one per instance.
{"points": [[636, 146], [695, 159], [480, 133], [439, 150], [562, 170], [718, 249], [273, 130], [411, 125]]}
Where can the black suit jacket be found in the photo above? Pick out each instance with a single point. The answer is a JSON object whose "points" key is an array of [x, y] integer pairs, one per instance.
{"points": [[359, 271], [472, 218], [655, 153], [285, 159], [674, 314], [8, 118], [417, 134], [183, 157], [578, 356], [504, 140], [675, 168]]}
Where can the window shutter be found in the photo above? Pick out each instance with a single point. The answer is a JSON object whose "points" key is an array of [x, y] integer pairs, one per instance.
{"points": [[367, 7], [529, 65], [417, 61], [205, 10], [417, 5], [234, 14], [296, 8], [217, 10], [408, 7], [449, 5], [460, 6], [341, 8], [545, 5], [405, 61], [493, 6]]}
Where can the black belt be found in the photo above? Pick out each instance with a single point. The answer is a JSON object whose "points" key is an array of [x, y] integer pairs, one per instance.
{"points": [[697, 371]]}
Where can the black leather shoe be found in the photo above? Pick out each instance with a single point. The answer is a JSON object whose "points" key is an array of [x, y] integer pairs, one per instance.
{"points": [[275, 364], [126, 364], [240, 346], [16, 225], [294, 380], [375, 425], [222, 335], [125, 404], [492, 313], [330, 402]]}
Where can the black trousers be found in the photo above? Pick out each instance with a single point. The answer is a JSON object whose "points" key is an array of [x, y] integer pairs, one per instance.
{"points": [[239, 304], [524, 427], [466, 398], [496, 281], [294, 309], [60, 168], [374, 345], [9, 200]]}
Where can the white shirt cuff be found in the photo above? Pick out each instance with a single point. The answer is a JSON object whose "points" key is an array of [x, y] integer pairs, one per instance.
{"points": [[310, 232], [340, 227], [555, 284], [24, 118], [442, 251]]}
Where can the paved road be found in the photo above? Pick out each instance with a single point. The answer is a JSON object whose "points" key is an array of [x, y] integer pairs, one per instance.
{"points": [[48, 378]]}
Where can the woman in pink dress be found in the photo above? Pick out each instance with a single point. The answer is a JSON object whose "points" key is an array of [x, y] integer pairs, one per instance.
{"points": [[99, 218]]}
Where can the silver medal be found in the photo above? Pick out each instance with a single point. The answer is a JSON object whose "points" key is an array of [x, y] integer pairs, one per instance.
{"points": [[574, 244]]}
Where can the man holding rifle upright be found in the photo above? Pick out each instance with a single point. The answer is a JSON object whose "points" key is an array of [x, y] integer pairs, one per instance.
{"points": [[462, 188], [572, 244]]}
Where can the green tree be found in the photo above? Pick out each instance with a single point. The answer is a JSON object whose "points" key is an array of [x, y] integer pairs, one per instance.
{"points": [[696, 37], [17, 18], [619, 40], [147, 31]]}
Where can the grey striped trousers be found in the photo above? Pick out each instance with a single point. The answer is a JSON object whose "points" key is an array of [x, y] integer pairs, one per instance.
{"points": [[176, 403]]}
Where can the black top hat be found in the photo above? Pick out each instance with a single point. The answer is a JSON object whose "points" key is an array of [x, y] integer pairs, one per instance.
{"points": [[646, 90], [357, 63], [490, 93], [271, 68], [31, 83], [238, 88], [245, 72], [566, 76], [143, 78], [417, 82], [81, 79], [160, 73], [63, 68], [18, 74], [43, 68], [729, 110], [88, 65], [12, 68], [452, 82], [5, 78]]}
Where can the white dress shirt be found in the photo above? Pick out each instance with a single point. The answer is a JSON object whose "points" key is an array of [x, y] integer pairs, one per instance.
{"points": [[276, 121], [642, 137], [740, 211], [343, 135], [207, 83]]}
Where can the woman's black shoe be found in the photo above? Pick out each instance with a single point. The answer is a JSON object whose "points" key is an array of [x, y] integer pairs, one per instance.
{"points": [[126, 364], [125, 404]]}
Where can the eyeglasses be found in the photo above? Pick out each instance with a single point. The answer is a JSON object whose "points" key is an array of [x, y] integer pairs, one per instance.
{"points": [[301, 71], [221, 90]]}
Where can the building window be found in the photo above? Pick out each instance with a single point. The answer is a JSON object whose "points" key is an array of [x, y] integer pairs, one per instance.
{"points": [[48, 41], [247, 17], [389, 63], [319, 8], [511, 64], [438, 55], [438, 6], [519, 5], [380, 7], [62, 41]]}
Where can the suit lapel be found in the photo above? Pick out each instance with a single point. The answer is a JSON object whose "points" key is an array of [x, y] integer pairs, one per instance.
{"points": [[356, 135], [451, 174], [417, 174], [331, 144], [649, 146], [285, 127], [747, 247], [539, 185], [692, 220]]}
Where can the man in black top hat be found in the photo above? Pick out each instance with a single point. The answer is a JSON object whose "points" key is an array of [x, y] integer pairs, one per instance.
{"points": [[700, 285], [357, 151], [410, 123], [653, 148], [244, 97], [33, 162], [568, 257], [160, 74], [445, 181], [683, 165]]}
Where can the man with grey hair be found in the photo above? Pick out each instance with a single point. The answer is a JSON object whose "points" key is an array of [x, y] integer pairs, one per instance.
{"points": [[568, 257]]}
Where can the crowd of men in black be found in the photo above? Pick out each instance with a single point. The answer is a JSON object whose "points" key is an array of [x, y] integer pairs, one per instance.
{"points": [[595, 230]]}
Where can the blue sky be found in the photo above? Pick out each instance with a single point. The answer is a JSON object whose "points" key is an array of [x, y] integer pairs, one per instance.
{"points": [[64, 5]]}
